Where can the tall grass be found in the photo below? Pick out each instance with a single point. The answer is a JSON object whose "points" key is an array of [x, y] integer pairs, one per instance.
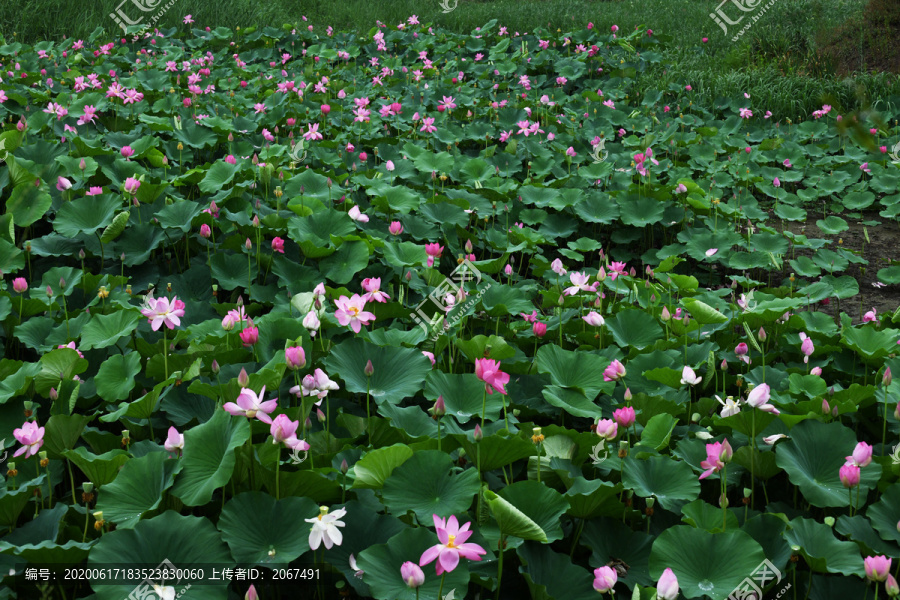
{"points": [[776, 61]]}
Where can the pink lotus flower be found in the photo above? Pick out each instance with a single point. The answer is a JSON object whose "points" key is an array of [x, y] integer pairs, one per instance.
{"points": [[284, 431], [350, 312], [174, 441], [31, 437], [73, 347], [667, 588], [127, 152], [806, 346], [579, 284], [717, 455], [741, 351], [759, 398], [412, 574], [849, 475], [311, 323], [862, 455], [373, 287], [689, 377], [315, 384], [63, 184], [250, 404], [453, 546], [295, 357], [605, 579], [614, 372], [539, 329], [557, 267], [395, 228], [249, 336], [205, 231], [132, 185], [489, 372], [607, 429], [160, 311], [877, 567], [20, 284], [278, 245], [358, 215], [429, 356], [434, 250], [870, 317], [624, 416]]}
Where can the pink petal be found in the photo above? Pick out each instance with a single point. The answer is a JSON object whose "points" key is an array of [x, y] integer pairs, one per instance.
{"points": [[449, 559], [430, 554]]}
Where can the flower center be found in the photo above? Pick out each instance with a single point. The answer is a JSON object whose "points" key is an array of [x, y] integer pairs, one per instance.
{"points": [[251, 413], [353, 311], [451, 542]]}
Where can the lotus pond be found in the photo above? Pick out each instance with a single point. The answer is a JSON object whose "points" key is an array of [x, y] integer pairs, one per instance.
{"points": [[410, 314]]}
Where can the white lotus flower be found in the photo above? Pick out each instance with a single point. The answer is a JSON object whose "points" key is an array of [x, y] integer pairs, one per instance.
{"points": [[325, 528], [689, 377]]}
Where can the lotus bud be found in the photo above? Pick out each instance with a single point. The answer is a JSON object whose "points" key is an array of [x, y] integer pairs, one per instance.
{"points": [[255, 224], [469, 246], [53, 396], [440, 409], [251, 593], [826, 408], [409, 276], [886, 379], [666, 315], [761, 335], [478, 435], [628, 395], [723, 500], [243, 378], [215, 367], [248, 245], [320, 415], [369, 369]]}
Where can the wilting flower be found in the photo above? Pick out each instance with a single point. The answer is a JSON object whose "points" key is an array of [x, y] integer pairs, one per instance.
{"points": [[489, 372], [350, 312], [250, 404], [174, 441], [412, 574], [557, 267], [689, 377], [594, 319], [717, 455], [325, 528], [284, 431], [358, 215], [315, 384], [770, 440], [453, 546], [605, 579], [31, 437], [741, 351], [759, 398], [160, 311], [607, 429], [614, 372], [667, 588], [862, 455], [877, 567]]}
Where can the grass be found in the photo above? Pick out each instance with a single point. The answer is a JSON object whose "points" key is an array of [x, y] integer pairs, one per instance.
{"points": [[777, 61]]}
